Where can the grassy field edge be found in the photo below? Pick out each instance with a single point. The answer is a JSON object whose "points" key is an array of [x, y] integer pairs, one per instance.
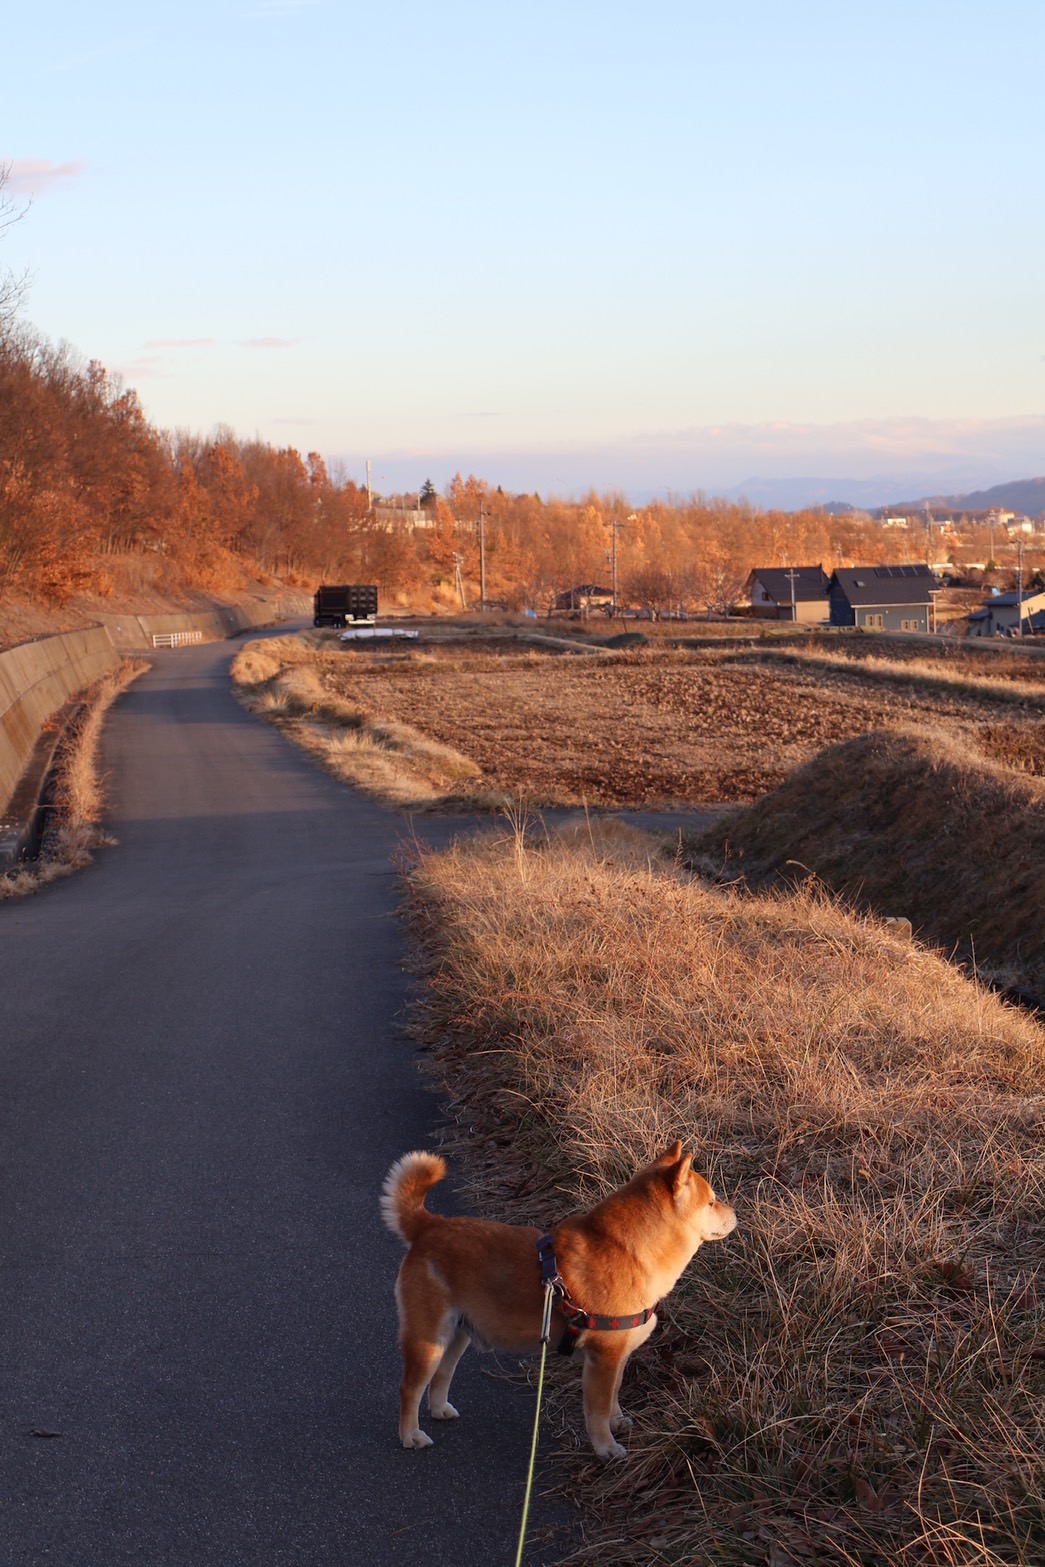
{"points": [[857, 1376]]}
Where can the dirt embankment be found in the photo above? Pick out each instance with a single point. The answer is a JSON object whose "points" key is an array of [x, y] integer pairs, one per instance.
{"points": [[911, 824]]}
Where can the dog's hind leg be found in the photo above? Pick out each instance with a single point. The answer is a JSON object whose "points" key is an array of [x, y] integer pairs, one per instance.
{"points": [[421, 1359], [426, 1328], [439, 1406]]}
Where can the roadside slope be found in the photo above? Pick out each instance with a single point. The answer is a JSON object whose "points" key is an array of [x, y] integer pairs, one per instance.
{"points": [[909, 823]]}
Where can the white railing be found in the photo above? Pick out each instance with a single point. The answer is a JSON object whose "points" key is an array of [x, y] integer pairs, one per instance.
{"points": [[175, 638]]}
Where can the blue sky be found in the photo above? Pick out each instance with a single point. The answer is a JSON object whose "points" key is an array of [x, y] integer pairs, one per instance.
{"points": [[649, 247]]}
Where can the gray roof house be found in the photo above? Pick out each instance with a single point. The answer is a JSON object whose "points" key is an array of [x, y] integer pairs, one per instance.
{"points": [[797, 593], [882, 598], [998, 617]]}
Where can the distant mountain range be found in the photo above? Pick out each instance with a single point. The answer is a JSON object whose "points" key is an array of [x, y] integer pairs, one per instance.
{"points": [[1024, 496], [796, 494]]}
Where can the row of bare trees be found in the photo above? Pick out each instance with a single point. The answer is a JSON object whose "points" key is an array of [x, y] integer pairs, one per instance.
{"points": [[685, 553], [85, 481], [88, 485]]}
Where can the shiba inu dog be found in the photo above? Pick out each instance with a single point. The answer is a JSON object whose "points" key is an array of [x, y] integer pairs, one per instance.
{"points": [[467, 1280]]}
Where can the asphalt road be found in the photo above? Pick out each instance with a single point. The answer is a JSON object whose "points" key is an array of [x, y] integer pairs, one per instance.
{"points": [[203, 1081]]}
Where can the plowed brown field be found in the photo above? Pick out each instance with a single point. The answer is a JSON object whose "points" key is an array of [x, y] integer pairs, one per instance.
{"points": [[654, 727]]}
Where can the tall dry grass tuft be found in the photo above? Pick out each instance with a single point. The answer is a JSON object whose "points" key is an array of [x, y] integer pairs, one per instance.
{"points": [[77, 795], [858, 1374]]}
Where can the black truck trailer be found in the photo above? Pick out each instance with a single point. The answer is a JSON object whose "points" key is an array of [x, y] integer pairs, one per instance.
{"points": [[344, 605]]}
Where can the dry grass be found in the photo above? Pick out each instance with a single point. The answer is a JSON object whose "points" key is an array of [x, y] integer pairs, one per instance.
{"points": [[73, 831], [1014, 680], [910, 823], [282, 680], [858, 1375], [659, 726]]}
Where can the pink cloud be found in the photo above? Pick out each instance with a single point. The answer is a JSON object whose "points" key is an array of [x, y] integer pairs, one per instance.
{"points": [[269, 342], [33, 176], [181, 342]]}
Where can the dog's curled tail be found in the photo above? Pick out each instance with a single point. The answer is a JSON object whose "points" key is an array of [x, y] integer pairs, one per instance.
{"points": [[403, 1195]]}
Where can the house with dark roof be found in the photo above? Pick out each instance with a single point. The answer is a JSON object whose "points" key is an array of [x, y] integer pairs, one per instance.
{"points": [[1003, 614], [797, 593], [882, 598]]}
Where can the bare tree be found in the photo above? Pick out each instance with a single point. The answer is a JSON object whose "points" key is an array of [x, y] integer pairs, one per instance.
{"points": [[12, 287]]}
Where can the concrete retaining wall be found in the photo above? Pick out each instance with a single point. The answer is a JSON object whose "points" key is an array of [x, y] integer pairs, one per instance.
{"points": [[131, 633], [38, 678]]}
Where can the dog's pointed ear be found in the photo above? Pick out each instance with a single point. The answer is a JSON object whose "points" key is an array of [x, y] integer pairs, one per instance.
{"points": [[670, 1155], [680, 1174]]}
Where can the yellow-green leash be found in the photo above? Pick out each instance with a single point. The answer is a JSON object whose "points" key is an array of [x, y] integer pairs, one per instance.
{"points": [[546, 1325]]}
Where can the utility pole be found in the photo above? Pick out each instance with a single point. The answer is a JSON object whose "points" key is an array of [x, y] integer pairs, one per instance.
{"points": [[369, 491], [482, 560], [1019, 587], [794, 608], [614, 525]]}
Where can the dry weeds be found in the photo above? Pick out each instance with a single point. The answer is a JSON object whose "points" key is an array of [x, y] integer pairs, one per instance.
{"points": [[282, 680], [709, 722], [1016, 680], [858, 1375], [908, 823], [73, 830]]}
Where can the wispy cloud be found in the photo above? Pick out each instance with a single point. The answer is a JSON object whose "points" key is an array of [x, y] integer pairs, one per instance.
{"points": [[871, 462], [269, 342], [181, 342], [862, 443], [34, 176]]}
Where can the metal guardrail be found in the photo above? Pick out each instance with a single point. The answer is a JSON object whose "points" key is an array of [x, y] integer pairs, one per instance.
{"points": [[175, 638]]}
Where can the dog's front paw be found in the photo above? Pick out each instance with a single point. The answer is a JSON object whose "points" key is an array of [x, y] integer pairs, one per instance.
{"points": [[443, 1411], [611, 1449], [415, 1438], [605, 1447]]}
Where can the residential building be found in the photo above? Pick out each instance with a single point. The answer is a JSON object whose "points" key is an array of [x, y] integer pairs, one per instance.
{"points": [[1001, 615], [796, 593], [882, 598]]}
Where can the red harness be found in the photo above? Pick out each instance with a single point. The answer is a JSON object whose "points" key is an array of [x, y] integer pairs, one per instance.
{"points": [[578, 1320]]}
